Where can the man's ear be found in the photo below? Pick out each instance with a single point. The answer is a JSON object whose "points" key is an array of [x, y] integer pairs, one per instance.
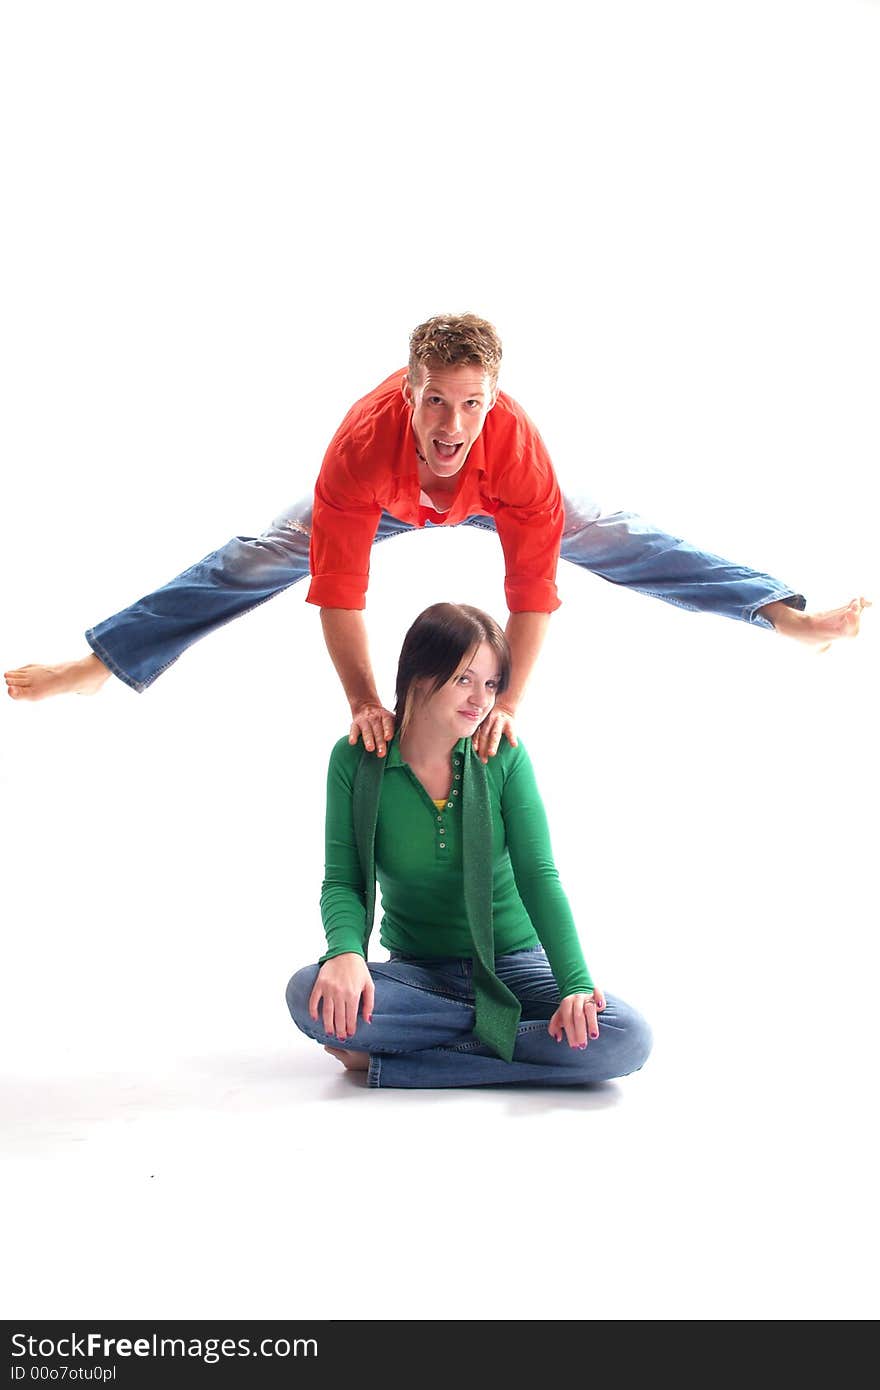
{"points": [[493, 398], [407, 390]]}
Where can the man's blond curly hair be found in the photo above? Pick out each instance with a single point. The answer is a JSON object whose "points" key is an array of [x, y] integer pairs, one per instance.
{"points": [[455, 340]]}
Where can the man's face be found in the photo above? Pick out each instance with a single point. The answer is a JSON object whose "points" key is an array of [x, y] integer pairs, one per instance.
{"points": [[449, 405]]}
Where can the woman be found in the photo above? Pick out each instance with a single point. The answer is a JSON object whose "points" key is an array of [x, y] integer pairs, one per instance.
{"points": [[486, 982]]}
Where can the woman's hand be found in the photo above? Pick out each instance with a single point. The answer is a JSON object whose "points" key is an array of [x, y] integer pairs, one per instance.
{"points": [[576, 1018], [340, 983]]}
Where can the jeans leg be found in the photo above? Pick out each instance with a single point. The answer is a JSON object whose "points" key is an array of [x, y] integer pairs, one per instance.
{"points": [[624, 549], [422, 1035], [622, 1046], [415, 1007], [142, 641]]}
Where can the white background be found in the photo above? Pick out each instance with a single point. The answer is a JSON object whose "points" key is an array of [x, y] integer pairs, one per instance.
{"points": [[221, 222]]}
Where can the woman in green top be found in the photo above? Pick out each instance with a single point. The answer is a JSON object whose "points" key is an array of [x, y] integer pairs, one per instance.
{"points": [[486, 981]]}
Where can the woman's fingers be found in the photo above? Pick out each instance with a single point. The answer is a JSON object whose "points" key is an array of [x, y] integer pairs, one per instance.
{"points": [[577, 1027], [592, 1019], [346, 1019], [577, 1018], [329, 1013], [315, 998], [369, 1000]]}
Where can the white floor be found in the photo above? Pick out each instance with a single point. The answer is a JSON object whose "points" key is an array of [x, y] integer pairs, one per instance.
{"points": [[225, 221], [174, 1148]]}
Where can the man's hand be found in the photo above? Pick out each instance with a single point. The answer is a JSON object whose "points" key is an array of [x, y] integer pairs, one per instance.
{"points": [[487, 739], [576, 1018], [341, 982], [375, 725]]}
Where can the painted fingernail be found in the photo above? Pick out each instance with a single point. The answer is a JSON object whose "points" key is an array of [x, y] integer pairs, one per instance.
{"points": [[582, 1047], [594, 1035]]}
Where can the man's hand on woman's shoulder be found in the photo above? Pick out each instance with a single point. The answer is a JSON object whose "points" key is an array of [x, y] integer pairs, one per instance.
{"points": [[487, 739], [375, 725]]}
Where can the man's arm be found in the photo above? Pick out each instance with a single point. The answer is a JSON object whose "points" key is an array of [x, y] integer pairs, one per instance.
{"points": [[345, 634], [525, 634]]}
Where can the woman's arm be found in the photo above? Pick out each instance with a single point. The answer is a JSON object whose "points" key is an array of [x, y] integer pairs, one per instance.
{"points": [[528, 842], [537, 879], [343, 892], [343, 980]]}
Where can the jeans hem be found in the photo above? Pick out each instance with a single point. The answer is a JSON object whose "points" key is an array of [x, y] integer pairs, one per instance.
{"points": [[104, 656], [374, 1072], [752, 615]]}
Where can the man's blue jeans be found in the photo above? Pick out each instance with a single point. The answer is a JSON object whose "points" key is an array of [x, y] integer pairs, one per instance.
{"points": [[142, 641], [423, 1018]]}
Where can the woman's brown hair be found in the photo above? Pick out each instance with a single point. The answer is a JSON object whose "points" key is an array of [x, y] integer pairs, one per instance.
{"points": [[438, 644]]}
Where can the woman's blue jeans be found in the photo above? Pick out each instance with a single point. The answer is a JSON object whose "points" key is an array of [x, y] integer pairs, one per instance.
{"points": [[142, 641], [421, 1034]]}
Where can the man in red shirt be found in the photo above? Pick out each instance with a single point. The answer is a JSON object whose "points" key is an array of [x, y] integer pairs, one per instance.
{"points": [[435, 444]]}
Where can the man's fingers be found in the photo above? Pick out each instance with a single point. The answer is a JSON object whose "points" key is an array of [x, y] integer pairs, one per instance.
{"points": [[375, 726], [492, 730]]}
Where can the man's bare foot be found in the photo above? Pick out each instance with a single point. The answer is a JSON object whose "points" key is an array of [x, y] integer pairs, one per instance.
{"points": [[83, 677], [352, 1061], [816, 629]]}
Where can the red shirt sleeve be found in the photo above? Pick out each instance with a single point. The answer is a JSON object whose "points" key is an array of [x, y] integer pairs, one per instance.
{"points": [[529, 519], [344, 523]]}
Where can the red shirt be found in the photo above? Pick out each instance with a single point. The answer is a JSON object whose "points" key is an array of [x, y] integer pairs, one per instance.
{"points": [[371, 467]]}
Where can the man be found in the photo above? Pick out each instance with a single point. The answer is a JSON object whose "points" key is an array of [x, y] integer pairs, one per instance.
{"points": [[436, 445]]}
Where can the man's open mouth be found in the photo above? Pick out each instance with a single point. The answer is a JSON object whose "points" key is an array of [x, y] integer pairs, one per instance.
{"points": [[444, 450]]}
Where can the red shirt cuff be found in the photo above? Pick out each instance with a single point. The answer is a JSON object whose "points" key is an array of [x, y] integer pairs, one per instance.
{"points": [[338, 591], [531, 596]]}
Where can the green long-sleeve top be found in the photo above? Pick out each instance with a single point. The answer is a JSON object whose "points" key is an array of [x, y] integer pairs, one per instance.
{"points": [[418, 851]]}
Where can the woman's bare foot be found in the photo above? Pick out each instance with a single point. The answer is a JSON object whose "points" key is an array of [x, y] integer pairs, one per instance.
{"points": [[352, 1061], [83, 677], [816, 629]]}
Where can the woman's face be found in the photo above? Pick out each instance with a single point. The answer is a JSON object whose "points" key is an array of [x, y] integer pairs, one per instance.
{"points": [[460, 705]]}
